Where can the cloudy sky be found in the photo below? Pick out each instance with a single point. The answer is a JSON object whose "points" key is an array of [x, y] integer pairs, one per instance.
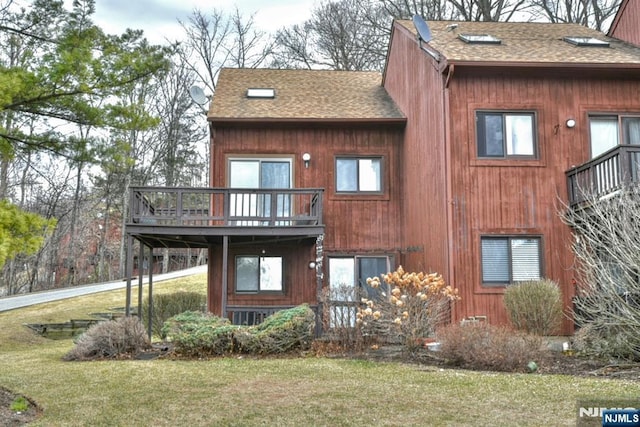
{"points": [[159, 18]]}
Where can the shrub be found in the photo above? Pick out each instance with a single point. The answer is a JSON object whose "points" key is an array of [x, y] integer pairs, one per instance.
{"points": [[418, 303], [484, 346], [281, 332], [339, 316], [197, 334], [112, 338], [168, 305], [534, 306]]}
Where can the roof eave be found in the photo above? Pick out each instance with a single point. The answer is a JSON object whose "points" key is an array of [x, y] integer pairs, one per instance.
{"points": [[515, 64], [255, 121]]}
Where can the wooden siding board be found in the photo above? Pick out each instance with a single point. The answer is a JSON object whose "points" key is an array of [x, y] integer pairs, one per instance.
{"points": [[627, 24], [517, 198], [414, 82], [353, 224]]}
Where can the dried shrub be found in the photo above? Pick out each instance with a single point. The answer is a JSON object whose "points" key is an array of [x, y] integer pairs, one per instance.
{"points": [[284, 331], [488, 347], [417, 304], [339, 308], [166, 306], [603, 342], [197, 334], [109, 339], [535, 306]]}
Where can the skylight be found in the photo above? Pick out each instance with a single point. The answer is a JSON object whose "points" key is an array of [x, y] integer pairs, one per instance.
{"points": [[479, 39], [586, 41], [261, 93]]}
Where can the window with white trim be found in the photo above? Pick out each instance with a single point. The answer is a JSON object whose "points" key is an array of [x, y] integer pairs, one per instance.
{"points": [[510, 259], [359, 174], [258, 274], [506, 134]]}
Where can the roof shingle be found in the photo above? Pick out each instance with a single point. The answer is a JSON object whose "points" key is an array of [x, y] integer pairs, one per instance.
{"points": [[526, 43], [302, 95]]}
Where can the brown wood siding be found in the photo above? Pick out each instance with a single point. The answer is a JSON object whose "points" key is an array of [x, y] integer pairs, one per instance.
{"points": [[299, 280], [353, 223], [521, 196], [413, 81], [627, 25], [452, 198]]}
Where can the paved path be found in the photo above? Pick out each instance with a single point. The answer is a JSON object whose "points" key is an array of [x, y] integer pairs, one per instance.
{"points": [[24, 300]]}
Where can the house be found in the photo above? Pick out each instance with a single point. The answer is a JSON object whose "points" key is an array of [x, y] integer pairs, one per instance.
{"points": [[498, 115], [456, 160], [626, 23]]}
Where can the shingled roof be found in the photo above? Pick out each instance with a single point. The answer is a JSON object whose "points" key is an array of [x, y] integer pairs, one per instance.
{"points": [[526, 43], [302, 95]]}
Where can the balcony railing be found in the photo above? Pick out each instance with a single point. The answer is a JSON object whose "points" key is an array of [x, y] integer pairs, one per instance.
{"points": [[225, 207], [604, 175]]}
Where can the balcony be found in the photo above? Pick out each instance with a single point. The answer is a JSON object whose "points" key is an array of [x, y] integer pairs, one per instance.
{"points": [[198, 217], [604, 175]]}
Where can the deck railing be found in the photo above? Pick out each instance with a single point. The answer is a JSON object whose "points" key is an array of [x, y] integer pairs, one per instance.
{"points": [[604, 175], [225, 207]]}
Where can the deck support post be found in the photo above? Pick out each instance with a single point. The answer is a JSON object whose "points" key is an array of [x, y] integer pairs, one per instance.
{"points": [[140, 278], [225, 273], [128, 273], [149, 314]]}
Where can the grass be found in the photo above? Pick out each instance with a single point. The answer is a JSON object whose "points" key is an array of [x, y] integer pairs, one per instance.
{"points": [[280, 391]]}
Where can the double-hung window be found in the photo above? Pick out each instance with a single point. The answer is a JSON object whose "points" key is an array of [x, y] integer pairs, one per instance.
{"points": [[506, 134], [258, 274], [510, 259], [359, 174]]}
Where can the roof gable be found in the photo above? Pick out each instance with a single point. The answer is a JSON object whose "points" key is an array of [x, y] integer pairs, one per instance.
{"points": [[302, 95], [525, 43]]}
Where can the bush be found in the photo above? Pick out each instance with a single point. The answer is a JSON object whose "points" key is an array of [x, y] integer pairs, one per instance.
{"points": [[418, 303], [112, 338], [535, 306], [198, 335], [281, 332], [166, 306], [483, 346]]}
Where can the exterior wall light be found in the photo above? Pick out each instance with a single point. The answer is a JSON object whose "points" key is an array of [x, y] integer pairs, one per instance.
{"points": [[312, 264], [571, 123], [306, 157]]}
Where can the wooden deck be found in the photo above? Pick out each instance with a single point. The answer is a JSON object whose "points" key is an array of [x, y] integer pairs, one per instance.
{"points": [[199, 217], [604, 175]]}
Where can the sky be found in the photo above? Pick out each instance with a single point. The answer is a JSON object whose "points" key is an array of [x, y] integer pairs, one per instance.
{"points": [[159, 18]]}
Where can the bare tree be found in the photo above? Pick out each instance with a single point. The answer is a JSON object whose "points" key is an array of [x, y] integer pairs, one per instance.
{"points": [[607, 249], [591, 13], [340, 35], [218, 39]]}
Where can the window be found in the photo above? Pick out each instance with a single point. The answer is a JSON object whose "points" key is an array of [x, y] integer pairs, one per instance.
{"points": [[479, 39], [502, 135], [586, 41], [253, 174], [608, 130], [511, 259], [258, 274], [348, 283], [356, 175]]}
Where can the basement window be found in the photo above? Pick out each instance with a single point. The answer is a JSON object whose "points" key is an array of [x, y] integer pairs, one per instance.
{"points": [[479, 39], [586, 41], [261, 93]]}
